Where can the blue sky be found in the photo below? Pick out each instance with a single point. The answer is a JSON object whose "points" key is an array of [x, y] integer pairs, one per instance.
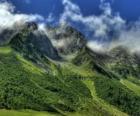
{"points": [[128, 9]]}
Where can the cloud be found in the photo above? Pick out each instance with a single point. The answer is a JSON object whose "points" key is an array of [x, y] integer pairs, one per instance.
{"points": [[107, 25], [50, 18], [129, 38], [96, 46], [100, 26], [8, 17]]}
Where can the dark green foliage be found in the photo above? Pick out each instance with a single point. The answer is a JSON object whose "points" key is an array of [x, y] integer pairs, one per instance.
{"points": [[68, 88], [22, 89], [115, 93], [17, 91]]}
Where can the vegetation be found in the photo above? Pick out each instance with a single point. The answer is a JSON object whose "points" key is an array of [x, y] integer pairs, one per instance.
{"points": [[28, 87], [117, 94], [89, 84], [132, 86], [25, 113]]}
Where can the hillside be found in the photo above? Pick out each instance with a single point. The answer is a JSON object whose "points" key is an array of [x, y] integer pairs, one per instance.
{"points": [[27, 87], [110, 84], [37, 76]]}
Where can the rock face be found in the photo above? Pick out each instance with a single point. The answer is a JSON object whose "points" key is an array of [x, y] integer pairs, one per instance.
{"points": [[54, 42], [66, 39], [123, 62], [7, 34], [33, 43]]}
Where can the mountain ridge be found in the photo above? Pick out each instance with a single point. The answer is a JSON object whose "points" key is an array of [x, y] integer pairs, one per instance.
{"points": [[89, 83]]}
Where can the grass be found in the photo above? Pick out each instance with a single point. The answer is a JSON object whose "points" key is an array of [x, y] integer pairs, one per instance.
{"points": [[17, 90], [28, 87], [97, 106], [80, 70], [135, 88], [5, 50], [134, 80], [103, 106], [112, 110], [115, 93], [28, 66], [24, 113]]}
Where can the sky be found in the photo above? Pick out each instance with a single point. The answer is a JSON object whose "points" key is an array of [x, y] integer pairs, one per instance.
{"points": [[103, 22], [128, 9]]}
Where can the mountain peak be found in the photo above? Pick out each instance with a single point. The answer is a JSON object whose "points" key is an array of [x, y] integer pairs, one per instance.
{"points": [[66, 39], [31, 25]]}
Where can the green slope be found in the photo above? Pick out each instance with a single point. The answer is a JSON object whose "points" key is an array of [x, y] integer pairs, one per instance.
{"points": [[25, 113], [102, 104], [132, 86], [117, 94], [124, 96], [97, 106], [68, 89], [17, 90], [24, 86]]}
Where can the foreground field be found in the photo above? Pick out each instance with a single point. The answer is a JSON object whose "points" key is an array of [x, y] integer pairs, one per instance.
{"points": [[24, 113]]}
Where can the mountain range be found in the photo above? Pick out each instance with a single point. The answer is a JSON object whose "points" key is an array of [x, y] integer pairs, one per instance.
{"points": [[51, 70]]}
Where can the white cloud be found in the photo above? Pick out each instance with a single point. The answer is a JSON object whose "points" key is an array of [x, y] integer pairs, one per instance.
{"points": [[8, 18], [129, 38], [50, 18], [100, 26], [128, 35], [96, 46]]}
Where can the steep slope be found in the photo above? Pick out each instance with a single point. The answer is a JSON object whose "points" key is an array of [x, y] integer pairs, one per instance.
{"points": [[33, 42], [28, 87], [118, 60], [25, 86], [66, 39], [107, 81], [8, 33], [123, 62], [93, 61]]}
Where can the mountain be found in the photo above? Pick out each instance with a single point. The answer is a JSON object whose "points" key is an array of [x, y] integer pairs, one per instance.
{"points": [[31, 40], [38, 73], [124, 63], [66, 39]]}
